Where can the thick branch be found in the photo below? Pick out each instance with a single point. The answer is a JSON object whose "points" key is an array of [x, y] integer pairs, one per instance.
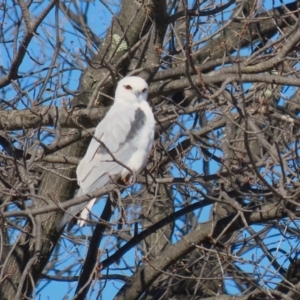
{"points": [[202, 233]]}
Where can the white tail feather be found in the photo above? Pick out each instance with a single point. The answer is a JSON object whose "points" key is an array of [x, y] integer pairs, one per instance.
{"points": [[85, 212]]}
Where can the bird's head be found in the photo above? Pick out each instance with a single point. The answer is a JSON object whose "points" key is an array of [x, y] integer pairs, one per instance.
{"points": [[132, 89]]}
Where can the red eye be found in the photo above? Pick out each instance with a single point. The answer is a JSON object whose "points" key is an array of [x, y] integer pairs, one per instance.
{"points": [[128, 87], [144, 90]]}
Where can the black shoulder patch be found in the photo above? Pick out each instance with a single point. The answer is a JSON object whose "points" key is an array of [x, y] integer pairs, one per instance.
{"points": [[101, 150], [136, 124]]}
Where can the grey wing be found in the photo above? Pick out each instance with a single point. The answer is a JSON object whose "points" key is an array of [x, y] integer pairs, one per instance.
{"points": [[101, 159], [97, 166]]}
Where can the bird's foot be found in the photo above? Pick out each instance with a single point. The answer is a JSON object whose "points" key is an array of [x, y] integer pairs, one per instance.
{"points": [[129, 179]]}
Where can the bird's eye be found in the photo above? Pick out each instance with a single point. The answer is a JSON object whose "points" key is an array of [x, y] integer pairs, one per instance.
{"points": [[144, 90], [128, 87]]}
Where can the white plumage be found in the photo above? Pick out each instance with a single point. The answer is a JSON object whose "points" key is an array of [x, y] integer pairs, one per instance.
{"points": [[127, 134]]}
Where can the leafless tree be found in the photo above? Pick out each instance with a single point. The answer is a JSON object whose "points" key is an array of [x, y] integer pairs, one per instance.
{"points": [[215, 212]]}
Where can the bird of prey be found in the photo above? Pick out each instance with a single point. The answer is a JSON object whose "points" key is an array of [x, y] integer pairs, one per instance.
{"points": [[126, 136]]}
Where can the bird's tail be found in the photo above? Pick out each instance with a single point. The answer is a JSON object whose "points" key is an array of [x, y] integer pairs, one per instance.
{"points": [[73, 211], [84, 213]]}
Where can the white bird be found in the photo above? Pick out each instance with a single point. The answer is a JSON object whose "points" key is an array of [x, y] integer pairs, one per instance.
{"points": [[126, 134]]}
